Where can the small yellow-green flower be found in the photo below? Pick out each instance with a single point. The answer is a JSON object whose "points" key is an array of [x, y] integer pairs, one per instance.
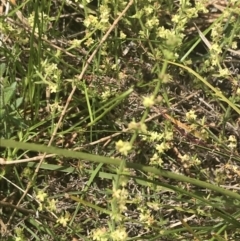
{"points": [[191, 115], [41, 195], [148, 9], [141, 127], [100, 234], [162, 147], [63, 220], [154, 205], [51, 205], [116, 216], [216, 48], [146, 217], [123, 147], [89, 42], [120, 194], [133, 125], [234, 45], [156, 160], [122, 35], [175, 18], [90, 21], [106, 94], [155, 136], [148, 101], [119, 234], [185, 158], [75, 43], [232, 142], [169, 136]]}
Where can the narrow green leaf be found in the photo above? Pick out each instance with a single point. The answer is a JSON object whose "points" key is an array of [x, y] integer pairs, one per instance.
{"points": [[7, 94], [117, 162], [2, 69]]}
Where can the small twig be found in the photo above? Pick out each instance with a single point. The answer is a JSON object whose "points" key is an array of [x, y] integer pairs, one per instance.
{"points": [[23, 210], [180, 223], [202, 36], [205, 103], [19, 188], [231, 187], [13, 162]]}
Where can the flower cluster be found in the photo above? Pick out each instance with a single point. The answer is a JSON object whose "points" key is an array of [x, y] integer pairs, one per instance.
{"points": [[45, 203]]}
